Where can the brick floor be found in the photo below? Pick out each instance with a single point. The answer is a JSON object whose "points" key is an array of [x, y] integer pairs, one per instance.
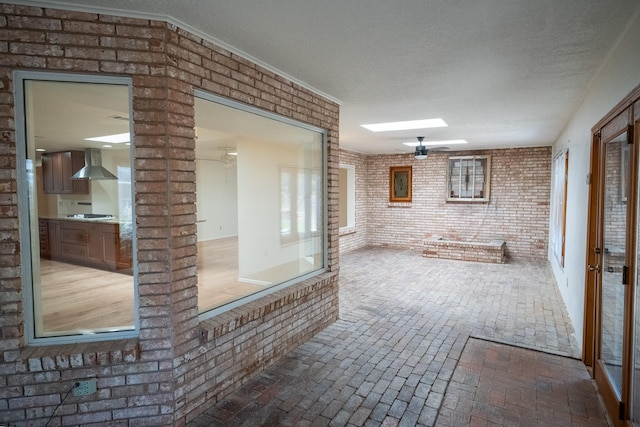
{"points": [[428, 342]]}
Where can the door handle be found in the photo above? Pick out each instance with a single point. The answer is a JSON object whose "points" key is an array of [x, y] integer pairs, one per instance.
{"points": [[594, 267]]}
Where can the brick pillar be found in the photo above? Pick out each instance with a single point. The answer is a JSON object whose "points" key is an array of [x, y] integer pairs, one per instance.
{"points": [[165, 209]]}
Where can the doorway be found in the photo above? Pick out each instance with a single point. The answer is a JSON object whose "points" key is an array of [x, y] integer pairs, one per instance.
{"points": [[612, 253]]}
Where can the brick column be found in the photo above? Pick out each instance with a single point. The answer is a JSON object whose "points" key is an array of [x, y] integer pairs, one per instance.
{"points": [[166, 210]]}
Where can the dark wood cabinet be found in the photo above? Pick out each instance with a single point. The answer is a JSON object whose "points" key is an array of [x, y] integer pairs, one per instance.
{"points": [[43, 233], [73, 240], [89, 243], [57, 169], [54, 238], [104, 242]]}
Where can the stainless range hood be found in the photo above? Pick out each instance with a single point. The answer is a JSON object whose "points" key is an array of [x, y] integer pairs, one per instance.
{"points": [[93, 166]]}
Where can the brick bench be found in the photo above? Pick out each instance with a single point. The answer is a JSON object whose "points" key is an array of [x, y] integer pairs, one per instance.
{"points": [[437, 247]]}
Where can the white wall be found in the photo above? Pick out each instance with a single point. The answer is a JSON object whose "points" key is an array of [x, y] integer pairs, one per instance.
{"points": [[217, 199], [104, 193], [618, 76], [258, 206]]}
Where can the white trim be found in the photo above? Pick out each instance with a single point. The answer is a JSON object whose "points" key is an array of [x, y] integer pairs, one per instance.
{"points": [[351, 197], [52, 4], [557, 214]]}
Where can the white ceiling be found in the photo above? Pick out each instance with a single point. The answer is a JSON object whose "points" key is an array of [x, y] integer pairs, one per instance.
{"points": [[501, 73]]}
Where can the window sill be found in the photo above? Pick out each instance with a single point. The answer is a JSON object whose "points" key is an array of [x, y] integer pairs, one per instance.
{"points": [[399, 205], [462, 200], [216, 327], [347, 230], [66, 356]]}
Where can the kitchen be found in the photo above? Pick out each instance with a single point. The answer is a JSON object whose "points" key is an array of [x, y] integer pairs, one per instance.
{"points": [[79, 218], [79, 169]]}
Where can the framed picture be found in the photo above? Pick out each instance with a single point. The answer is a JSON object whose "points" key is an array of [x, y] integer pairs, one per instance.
{"points": [[400, 184]]}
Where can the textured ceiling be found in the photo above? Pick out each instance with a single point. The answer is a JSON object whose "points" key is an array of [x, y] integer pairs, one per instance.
{"points": [[501, 73]]}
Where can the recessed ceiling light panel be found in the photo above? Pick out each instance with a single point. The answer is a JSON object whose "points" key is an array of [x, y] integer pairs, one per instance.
{"points": [[411, 124], [449, 142], [112, 139]]}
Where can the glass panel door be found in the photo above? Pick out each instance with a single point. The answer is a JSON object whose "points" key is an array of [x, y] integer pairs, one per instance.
{"points": [[635, 395], [613, 259], [614, 222], [635, 416]]}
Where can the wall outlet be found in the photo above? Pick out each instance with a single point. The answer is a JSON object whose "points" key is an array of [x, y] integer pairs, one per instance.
{"points": [[85, 387]]}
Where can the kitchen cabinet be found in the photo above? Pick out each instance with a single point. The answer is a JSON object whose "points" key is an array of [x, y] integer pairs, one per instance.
{"points": [[43, 232], [74, 238], [90, 243], [57, 169], [102, 246]]}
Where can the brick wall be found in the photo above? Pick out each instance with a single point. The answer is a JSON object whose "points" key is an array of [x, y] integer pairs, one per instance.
{"points": [[356, 237], [518, 210], [615, 205], [177, 363]]}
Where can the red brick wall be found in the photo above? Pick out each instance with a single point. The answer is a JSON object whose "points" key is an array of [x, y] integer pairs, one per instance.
{"points": [[518, 211], [177, 363]]}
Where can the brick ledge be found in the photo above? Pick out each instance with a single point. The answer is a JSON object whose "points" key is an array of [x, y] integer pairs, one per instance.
{"points": [[66, 356], [438, 247], [224, 323]]}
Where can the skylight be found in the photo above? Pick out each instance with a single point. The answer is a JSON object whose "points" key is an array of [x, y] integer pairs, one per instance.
{"points": [[112, 139], [411, 124], [427, 143]]}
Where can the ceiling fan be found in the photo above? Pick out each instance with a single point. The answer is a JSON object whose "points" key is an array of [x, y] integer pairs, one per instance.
{"points": [[422, 151], [229, 157]]}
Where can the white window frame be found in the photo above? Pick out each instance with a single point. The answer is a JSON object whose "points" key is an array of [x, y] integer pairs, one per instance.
{"points": [[28, 218], [559, 213], [486, 193], [324, 229], [350, 197], [294, 234]]}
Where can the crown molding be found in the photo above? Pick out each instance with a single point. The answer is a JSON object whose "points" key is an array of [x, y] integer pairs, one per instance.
{"points": [[53, 4]]}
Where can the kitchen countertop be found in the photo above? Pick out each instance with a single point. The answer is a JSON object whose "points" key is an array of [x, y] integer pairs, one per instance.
{"points": [[108, 220]]}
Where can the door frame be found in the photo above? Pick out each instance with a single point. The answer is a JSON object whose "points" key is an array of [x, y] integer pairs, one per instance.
{"points": [[621, 118]]}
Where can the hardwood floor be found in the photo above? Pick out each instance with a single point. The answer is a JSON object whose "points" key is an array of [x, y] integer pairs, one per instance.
{"points": [[82, 298], [218, 274], [76, 298]]}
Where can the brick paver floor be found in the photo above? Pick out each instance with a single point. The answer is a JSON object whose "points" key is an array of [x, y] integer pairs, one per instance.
{"points": [[427, 342]]}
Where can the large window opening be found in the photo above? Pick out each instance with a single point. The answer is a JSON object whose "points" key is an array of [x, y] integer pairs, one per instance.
{"points": [[76, 206], [260, 202], [347, 197], [559, 212]]}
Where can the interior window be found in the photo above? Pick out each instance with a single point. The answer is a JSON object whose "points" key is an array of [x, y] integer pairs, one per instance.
{"points": [[77, 157], [347, 196], [559, 212], [260, 203], [468, 178]]}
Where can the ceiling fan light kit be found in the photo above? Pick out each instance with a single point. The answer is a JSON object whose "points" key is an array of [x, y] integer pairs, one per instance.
{"points": [[421, 150]]}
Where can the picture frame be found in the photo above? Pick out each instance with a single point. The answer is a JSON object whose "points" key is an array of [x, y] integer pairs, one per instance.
{"points": [[400, 183]]}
